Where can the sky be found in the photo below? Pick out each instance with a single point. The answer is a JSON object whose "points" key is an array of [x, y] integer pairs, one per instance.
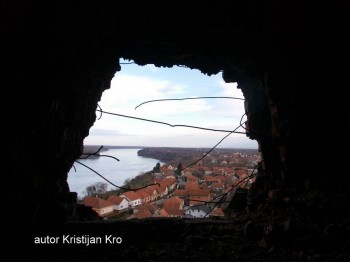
{"points": [[136, 84]]}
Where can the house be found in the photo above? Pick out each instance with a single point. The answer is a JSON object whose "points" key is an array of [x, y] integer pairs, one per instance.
{"points": [[158, 174], [191, 185], [119, 203], [197, 211], [221, 179], [152, 192], [198, 200], [174, 212], [162, 189], [217, 187], [152, 208], [171, 183], [223, 163], [209, 179], [166, 170], [191, 178], [162, 213], [173, 207], [100, 206], [183, 193], [132, 197], [144, 196], [203, 193], [208, 172], [173, 203], [144, 213]]}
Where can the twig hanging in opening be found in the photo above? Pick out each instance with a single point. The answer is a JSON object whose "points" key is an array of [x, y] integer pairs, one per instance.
{"points": [[171, 125], [97, 154], [223, 196], [240, 122], [189, 98], [100, 111], [234, 131], [88, 155]]}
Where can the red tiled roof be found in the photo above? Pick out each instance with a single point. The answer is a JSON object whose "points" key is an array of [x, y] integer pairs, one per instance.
{"points": [[162, 187], [96, 202], [173, 203], [199, 192], [204, 186], [217, 185], [210, 179], [197, 200], [143, 194], [192, 178], [174, 212], [150, 190], [143, 214], [163, 213], [191, 185], [116, 200], [131, 195], [150, 207], [165, 169], [180, 192], [171, 177], [221, 179]]}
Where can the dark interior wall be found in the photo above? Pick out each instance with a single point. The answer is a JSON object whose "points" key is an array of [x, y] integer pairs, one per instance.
{"points": [[61, 57]]}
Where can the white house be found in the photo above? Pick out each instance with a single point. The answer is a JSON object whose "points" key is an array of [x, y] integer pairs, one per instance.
{"points": [[132, 197], [119, 203], [101, 206], [197, 211]]}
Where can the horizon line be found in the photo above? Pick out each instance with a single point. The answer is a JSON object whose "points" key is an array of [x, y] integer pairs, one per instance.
{"points": [[202, 147]]}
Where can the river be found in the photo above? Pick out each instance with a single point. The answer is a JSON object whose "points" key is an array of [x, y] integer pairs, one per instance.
{"points": [[129, 166]]}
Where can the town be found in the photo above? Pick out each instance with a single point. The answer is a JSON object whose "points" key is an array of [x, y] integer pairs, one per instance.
{"points": [[191, 183]]}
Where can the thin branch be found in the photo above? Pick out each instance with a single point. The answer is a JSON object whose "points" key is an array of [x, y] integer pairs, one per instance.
{"points": [[97, 154], [124, 188], [98, 150], [222, 196], [190, 98], [171, 125], [100, 111], [240, 122]]}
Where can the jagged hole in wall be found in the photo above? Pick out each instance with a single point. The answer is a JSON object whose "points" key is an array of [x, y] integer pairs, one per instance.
{"points": [[173, 96]]}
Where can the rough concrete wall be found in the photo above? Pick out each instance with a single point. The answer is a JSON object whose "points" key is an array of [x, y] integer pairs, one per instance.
{"points": [[58, 71], [61, 57]]}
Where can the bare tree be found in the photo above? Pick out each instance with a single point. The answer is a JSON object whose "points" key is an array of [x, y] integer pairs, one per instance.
{"points": [[95, 189]]}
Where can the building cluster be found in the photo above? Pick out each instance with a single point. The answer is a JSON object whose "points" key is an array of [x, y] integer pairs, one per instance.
{"points": [[194, 193]]}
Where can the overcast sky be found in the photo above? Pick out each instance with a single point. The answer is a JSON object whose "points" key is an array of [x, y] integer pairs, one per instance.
{"points": [[136, 84]]}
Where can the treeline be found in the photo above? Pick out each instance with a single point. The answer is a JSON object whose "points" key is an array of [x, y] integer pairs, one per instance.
{"points": [[100, 188]]}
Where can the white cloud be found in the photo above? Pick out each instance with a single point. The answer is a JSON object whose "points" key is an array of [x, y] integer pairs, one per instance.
{"points": [[127, 91], [230, 89]]}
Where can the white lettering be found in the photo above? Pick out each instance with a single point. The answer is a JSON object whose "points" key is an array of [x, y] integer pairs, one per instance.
{"points": [[46, 240], [113, 240]]}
